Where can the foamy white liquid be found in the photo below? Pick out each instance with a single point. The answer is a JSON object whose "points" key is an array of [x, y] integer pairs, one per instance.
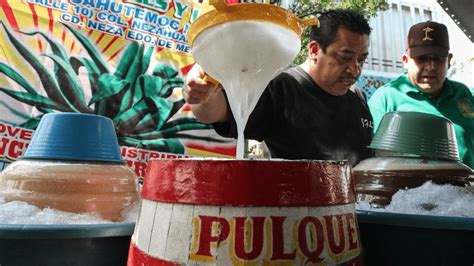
{"points": [[244, 56], [430, 199]]}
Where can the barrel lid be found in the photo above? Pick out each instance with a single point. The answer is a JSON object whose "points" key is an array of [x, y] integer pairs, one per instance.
{"points": [[415, 133], [74, 136]]}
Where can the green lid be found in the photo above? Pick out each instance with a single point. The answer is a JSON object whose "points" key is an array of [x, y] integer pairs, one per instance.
{"points": [[417, 134]]}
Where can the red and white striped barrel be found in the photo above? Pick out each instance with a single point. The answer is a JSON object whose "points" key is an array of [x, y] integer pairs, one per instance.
{"points": [[246, 212]]}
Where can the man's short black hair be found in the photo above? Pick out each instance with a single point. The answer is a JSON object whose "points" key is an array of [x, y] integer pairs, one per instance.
{"points": [[331, 20]]}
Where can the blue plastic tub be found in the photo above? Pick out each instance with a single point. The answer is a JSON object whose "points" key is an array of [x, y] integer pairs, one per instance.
{"points": [[402, 239], [101, 244]]}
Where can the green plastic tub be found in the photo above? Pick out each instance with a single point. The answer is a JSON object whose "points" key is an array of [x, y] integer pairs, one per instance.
{"points": [[402, 239], [101, 244], [417, 134]]}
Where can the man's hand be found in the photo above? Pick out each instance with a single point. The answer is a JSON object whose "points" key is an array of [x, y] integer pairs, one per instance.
{"points": [[197, 90], [206, 98]]}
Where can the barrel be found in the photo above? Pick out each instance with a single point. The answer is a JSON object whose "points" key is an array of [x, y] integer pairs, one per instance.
{"points": [[246, 212]]}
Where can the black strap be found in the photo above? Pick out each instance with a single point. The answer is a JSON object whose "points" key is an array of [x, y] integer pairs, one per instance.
{"points": [[303, 80], [361, 95], [301, 77]]}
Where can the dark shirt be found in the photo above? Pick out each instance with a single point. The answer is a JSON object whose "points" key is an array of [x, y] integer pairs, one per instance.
{"points": [[299, 120]]}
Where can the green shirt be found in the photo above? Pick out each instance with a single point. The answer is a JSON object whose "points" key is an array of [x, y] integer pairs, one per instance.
{"points": [[455, 103]]}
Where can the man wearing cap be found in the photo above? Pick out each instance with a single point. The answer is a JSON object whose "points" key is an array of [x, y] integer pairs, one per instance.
{"points": [[425, 88]]}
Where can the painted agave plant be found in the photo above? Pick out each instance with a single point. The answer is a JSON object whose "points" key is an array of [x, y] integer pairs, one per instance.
{"points": [[137, 102]]}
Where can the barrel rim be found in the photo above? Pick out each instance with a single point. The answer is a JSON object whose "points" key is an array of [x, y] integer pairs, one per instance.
{"points": [[48, 231], [249, 183], [417, 221], [252, 160]]}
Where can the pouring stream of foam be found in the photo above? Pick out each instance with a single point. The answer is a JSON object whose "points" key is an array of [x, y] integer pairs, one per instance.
{"points": [[244, 56]]}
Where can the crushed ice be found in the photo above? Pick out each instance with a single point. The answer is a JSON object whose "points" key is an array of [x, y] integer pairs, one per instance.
{"points": [[429, 199], [18, 212]]}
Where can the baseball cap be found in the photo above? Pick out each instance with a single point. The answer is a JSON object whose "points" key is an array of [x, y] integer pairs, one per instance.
{"points": [[428, 38]]}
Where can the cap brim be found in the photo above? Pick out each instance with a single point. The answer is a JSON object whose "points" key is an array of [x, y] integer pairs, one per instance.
{"points": [[428, 50]]}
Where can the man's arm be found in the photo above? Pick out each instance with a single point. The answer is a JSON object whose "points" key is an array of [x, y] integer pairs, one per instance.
{"points": [[208, 103]]}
